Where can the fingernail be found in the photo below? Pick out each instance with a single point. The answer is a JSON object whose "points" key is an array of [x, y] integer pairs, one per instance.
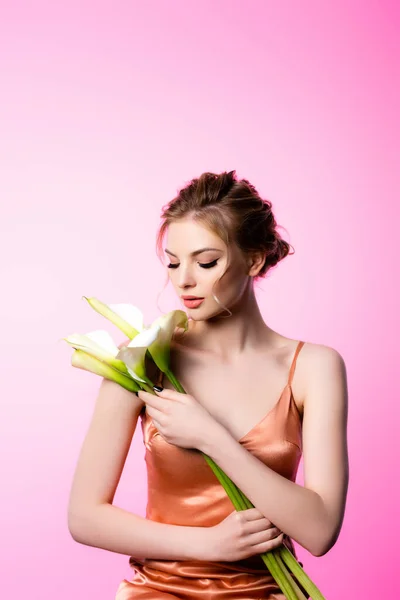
{"points": [[157, 388]]}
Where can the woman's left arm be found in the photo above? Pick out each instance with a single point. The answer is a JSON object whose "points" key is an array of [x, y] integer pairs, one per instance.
{"points": [[311, 514]]}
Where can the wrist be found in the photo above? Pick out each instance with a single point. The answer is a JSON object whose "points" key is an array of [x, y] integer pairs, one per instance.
{"points": [[216, 435], [199, 544]]}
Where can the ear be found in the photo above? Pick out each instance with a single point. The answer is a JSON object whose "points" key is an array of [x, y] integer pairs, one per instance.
{"points": [[255, 263]]}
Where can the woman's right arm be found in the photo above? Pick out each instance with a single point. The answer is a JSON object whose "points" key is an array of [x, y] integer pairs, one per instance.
{"points": [[93, 520]]}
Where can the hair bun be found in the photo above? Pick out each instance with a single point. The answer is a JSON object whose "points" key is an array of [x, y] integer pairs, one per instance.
{"points": [[234, 210]]}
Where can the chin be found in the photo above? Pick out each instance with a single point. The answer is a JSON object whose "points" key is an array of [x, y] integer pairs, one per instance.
{"points": [[205, 315]]}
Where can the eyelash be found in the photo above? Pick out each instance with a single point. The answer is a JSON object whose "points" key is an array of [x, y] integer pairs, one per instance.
{"points": [[203, 265]]}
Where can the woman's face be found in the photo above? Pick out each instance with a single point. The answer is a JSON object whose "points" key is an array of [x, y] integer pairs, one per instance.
{"points": [[197, 259]]}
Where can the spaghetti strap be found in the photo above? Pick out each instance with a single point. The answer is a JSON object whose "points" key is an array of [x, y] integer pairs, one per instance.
{"points": [[293, 365]]}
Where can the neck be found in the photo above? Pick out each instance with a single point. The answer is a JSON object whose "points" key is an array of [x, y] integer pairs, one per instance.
{"points": [[229, 335]]}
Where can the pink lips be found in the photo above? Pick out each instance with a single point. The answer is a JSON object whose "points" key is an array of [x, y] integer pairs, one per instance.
{"points": [[192, 302]]}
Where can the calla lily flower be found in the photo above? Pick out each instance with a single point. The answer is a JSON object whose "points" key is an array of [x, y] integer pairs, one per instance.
{"points": [[87, 362], [100, 345], [160, 348], [134, 354], [128, 318]]}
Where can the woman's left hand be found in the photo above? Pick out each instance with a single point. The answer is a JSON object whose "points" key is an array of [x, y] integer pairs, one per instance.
{"points": [[179, 418]]}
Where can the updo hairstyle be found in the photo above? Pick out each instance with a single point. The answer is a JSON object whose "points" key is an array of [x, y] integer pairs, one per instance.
{"points": [[233, 210]]}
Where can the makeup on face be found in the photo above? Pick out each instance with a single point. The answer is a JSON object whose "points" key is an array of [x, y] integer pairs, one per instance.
{"points": [[198, 259], [192, 302], [200, 279]]}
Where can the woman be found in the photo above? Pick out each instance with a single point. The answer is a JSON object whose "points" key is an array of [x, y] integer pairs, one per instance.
{"points": [[257, 400]]}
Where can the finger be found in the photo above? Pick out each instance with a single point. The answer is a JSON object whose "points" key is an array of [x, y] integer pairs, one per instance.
{"points": [[252, 514], [151, 400], [258, 537], [268, 545], [169, 394], [155, 414], [260, 525]]}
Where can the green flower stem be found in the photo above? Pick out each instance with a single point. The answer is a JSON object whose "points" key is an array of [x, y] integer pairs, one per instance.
{"points": [[175, 382], [240, 502], [300, 574], [146, 387], [289, 576], [287, 584], [228, 485]]}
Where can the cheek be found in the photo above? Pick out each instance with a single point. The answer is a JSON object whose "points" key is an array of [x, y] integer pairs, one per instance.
{"points": [[230, 285]]}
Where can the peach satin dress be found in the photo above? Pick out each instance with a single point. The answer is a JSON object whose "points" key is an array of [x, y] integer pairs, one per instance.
{"points": [[182, 490]]}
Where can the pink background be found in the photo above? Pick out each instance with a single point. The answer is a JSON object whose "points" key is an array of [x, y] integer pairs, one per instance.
{"points": [[106, 110]]}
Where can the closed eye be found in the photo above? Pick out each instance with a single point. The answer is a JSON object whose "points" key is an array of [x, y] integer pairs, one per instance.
{"points": [[203, 265]]}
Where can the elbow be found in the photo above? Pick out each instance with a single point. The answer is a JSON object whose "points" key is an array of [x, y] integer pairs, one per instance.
{"points": [[74, 531], [325, 544], [328, 533], [76, 537], [321, 551], [77, 526], [83, 523], [318, 547]]}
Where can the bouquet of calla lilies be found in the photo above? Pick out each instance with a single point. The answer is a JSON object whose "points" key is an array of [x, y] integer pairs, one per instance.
{"points": [[97, 352]]}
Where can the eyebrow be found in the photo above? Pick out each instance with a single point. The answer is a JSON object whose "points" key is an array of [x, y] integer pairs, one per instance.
{"points": [[196, 252]]}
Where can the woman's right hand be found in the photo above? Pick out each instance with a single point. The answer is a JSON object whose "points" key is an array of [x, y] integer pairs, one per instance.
{"points": [[243, 534]]}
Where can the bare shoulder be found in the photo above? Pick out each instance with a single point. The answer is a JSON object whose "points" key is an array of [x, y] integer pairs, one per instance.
{"points": [[319, 356], [321, 367], [315, 363]]}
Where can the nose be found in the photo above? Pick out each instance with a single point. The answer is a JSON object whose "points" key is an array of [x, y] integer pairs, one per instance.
{"points": [[185, 277]]}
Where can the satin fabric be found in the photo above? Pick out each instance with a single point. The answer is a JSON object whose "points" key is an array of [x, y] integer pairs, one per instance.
{"points": [[182, 490]]}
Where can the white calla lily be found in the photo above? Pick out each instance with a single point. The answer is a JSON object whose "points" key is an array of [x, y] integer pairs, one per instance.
{"points": [[133, 355], [160, 348], [87, 362], [100, 345], [129, 313], [128, 318]]}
